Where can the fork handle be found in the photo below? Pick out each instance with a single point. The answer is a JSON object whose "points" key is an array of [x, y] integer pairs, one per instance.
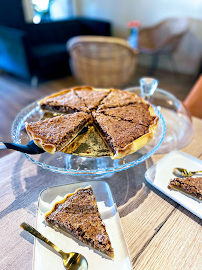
{"points": [[38, 235]]}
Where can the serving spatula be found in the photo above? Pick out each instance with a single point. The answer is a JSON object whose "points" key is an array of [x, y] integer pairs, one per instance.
{"points": [[30, 148]]}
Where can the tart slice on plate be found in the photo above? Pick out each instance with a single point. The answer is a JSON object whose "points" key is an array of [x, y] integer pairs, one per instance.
{"points": [[122, 137], [78, 215], [91, 96], [53, 134], [65, 101], [191, 186]]}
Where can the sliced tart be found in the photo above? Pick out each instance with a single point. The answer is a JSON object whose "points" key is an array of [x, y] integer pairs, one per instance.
{"points": [[119, 98], [122, 137], [91, 96], [138, 113], [109, 107], [65, 101], [78, 215], [53, 134], [189, 185]]}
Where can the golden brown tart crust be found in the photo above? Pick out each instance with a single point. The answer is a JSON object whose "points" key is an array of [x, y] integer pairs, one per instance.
{"points": [[53, 134], [78, 215]]}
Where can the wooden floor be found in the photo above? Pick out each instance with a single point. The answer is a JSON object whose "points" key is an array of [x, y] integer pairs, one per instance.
{"points": [[16, 94]]}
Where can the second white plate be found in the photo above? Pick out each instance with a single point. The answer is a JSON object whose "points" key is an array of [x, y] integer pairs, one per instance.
{"points": [[159, 176]]}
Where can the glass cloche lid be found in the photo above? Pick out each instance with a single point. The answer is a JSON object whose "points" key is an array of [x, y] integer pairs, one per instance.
{"points": [[179, 127]]}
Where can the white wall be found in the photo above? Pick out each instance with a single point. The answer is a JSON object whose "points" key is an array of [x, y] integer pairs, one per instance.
{"points": [[59, 9], [28, 10], [150, 12]]}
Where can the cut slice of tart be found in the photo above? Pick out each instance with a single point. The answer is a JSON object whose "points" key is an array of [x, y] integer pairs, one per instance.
{"points": [[138, 113], [189, 185], [65, 101], [91, 96], [119, 98], [122, 137], [53, 134], [78, 215]]}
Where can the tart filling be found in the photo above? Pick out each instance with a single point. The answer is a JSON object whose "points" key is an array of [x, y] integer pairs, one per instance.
{"points": [[189, 186], [53, 134], [78, 215]]}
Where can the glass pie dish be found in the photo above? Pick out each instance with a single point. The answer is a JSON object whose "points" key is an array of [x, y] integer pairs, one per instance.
{"points": [[77, 164]]}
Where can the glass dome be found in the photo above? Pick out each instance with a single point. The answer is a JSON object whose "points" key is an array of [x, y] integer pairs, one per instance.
{"points": [[179, 127]]}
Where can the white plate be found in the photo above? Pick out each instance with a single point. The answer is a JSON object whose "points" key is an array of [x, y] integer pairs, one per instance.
{"points": [[46, 259], [159, 176]]}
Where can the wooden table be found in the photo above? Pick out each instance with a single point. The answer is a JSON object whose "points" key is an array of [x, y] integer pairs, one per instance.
{"points": [[160, 233]]}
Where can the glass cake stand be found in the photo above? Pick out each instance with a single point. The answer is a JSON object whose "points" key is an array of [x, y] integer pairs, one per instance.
{"points": [[76, 164]]}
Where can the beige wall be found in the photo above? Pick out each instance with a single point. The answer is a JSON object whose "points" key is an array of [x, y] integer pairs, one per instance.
{"points": [[150, 12]]}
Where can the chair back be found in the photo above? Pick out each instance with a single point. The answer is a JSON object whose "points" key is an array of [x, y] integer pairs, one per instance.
{"points": [[168, 34], [101, 61]]}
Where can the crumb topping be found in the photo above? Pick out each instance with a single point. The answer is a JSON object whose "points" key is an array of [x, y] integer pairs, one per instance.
{"points": [[137, 113], [68, 100], [92, 98], [119, 98]]}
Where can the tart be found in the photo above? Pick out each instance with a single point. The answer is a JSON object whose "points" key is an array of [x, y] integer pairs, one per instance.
{"points": [[125, 122], [53, 134], [188, 185], [78, 215], [65, 101], [119, 98], [122, 137], [91, 96]]}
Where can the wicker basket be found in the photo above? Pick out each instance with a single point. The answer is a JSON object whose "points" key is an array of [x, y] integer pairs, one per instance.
{"points": [[101, 61]]}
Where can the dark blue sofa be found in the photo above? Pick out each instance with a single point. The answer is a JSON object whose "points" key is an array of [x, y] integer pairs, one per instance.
{"points": [[29, 50], [40, 49]]}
